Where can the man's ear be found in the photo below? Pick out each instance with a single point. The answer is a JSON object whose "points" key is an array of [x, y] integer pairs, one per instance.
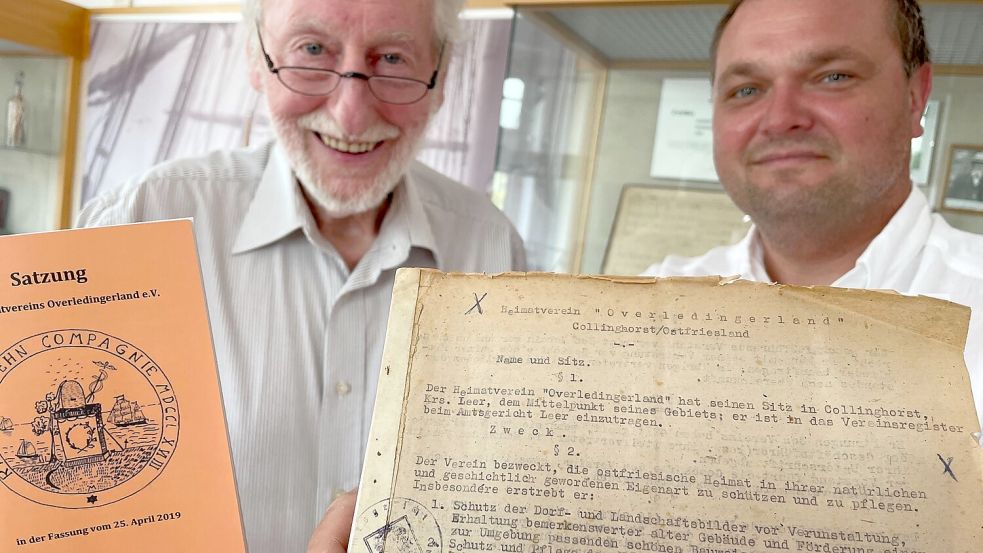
{"points": [[439, 96], [256, 70], [919, 90], [255, 77], [256, 66], [438, 91]]}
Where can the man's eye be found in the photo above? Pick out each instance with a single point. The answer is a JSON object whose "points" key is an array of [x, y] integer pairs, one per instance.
{"points": [[313, 49], [744, 92], [392, 59], [836, 77]]}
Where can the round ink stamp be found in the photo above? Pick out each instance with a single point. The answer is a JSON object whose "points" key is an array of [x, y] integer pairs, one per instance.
{"points": [[400, 525], [86, 418]]}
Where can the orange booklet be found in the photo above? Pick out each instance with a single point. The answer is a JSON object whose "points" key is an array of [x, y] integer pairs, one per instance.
{"points": [[112, 430]]}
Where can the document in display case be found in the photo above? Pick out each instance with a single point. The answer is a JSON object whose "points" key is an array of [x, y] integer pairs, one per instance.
{"points": [[112, 430], [653, 222], [537, 413]]}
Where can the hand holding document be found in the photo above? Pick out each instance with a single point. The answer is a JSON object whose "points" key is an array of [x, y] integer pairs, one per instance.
{"points": [[545, 413]]}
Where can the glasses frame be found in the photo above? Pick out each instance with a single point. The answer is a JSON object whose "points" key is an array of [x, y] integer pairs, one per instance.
{"points": [[349, 75]]}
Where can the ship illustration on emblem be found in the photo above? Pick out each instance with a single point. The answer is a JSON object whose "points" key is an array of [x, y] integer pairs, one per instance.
{"points": [[89, 419], [125, 413]]}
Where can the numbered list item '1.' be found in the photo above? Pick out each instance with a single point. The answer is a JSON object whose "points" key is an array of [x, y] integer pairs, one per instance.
{"points": [[112, 431], [545, 413]]}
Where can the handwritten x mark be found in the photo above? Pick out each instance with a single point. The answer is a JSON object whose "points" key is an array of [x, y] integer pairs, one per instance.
{"points": [[947, 463], [477, 304]]}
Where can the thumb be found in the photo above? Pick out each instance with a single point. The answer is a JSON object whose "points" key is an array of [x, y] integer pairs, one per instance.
{"points": [[332, 533]]}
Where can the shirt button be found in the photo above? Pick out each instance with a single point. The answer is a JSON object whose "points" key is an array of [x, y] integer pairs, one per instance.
{"points": [[343, 388]]}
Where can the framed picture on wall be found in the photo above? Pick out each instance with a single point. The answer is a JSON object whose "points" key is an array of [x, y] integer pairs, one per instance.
{"points": [[963, 185], [655, 221], [683, 147]]}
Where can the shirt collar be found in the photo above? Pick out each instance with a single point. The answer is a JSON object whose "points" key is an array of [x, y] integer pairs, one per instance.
{"points": [[277, 208], [751, 257], [406, 225], [404, 228], [896, 245]]}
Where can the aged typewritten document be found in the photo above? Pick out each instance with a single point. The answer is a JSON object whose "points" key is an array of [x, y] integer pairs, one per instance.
{"points": [[547, 414]]}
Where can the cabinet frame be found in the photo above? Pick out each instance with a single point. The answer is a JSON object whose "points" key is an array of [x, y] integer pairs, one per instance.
{"points": [[60, 28]]}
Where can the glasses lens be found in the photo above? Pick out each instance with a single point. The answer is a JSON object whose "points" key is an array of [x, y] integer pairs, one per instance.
{"points": [[395, 90], [313, 82]]}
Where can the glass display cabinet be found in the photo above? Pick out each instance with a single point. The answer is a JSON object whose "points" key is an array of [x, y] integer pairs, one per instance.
{"points": [[42, 44], [605, 145]]}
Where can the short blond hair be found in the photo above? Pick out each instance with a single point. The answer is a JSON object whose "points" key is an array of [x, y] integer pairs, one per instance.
{"points": [[907, 21]]}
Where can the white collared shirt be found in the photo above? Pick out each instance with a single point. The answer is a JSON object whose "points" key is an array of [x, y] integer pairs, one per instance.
{"points": [[917, 253], [298, 337]]}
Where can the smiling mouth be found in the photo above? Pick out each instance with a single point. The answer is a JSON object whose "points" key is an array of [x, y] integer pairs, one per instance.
{"points": [[787, 157], [348, 147]]}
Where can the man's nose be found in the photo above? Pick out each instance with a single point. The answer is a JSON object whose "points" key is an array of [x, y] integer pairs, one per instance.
{"points": [[786, 110], [353, 106]]}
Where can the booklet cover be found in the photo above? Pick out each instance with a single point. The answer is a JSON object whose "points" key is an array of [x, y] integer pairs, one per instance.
{"points": [[112, 430]]}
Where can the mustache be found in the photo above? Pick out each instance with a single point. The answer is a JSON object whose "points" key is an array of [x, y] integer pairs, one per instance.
{"points": [[324, 124]]}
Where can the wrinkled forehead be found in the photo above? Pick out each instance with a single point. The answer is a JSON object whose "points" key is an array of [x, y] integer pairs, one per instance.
{"points": [[370, 21]]}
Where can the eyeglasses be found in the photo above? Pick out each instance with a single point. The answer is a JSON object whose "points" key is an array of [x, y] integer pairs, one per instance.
{"points": [[310, 81]]}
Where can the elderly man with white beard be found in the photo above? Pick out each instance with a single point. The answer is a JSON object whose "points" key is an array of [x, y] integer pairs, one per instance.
{"points": [[300, 238]]}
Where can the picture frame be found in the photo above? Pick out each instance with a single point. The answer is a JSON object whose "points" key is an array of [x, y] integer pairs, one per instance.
{"points": [[962, 188], [683, 145], [656, 220]]}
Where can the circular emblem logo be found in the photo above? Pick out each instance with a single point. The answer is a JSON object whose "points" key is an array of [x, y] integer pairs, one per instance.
{"points": [[86, 419]]}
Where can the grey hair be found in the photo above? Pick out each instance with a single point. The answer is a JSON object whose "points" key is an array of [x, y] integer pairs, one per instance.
{"points": [[446, 23]]}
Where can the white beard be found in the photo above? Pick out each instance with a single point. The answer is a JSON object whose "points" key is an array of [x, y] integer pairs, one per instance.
{"points": [[337, 193]]}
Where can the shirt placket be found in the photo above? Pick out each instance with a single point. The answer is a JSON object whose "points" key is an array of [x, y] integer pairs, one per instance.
{"points": [[342, 398]]}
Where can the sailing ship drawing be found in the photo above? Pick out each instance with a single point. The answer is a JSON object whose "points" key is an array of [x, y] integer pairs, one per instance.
{"points": [[6, 424], [27, 451], [126, 413]]}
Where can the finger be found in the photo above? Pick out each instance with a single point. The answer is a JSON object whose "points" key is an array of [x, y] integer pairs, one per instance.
{"points": [[332, 533]]}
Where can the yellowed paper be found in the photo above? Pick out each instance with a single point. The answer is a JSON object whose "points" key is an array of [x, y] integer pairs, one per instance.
{"points": [[544, 413]]}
